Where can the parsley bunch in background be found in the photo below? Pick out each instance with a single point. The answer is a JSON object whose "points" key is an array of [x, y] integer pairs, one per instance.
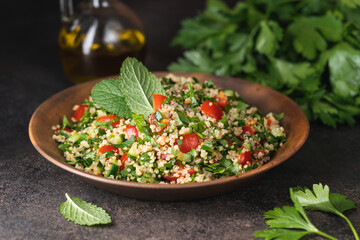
{"points": [[306, 49]]}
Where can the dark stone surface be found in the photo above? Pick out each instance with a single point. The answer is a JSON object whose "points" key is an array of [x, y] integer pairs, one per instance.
{"points": [[32, 189]]}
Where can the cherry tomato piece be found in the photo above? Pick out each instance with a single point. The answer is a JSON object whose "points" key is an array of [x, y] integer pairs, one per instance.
{"points": [[123, 159], [108, 148], [115, 124], [223, 100], [69, 130], [247, 129], [79, 113], [157, 101], [256, 152], [212, 109], [190, 140], [106, 118], [172, 177], [152, 119], [131, 131], [268, 122], [245, 157]]}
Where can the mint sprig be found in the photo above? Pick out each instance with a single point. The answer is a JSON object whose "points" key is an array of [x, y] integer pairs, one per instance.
{"points": [[80, 212], [138, 85], [108, 95], [129, 94]]}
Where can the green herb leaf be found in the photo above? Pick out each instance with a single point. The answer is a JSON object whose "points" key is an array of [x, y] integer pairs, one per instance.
{"points": [[127, 143], [267, 41], [280, 234], [107, 95], [141, 124], [307, 37], [284, 46], [207, 146], [285, 220], [344, 66], [83, 213], [65, 122], [137, 85], [319, 199]]}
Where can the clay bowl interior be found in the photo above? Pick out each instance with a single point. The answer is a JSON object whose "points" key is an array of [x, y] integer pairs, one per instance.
{"points": [[51, 112]]}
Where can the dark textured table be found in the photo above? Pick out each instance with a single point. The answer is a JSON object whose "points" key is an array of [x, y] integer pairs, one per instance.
{"points": [[32, 189]]}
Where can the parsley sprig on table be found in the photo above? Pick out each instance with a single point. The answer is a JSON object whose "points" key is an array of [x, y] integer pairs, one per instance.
{"points": [[292, 222], [307, 49]]}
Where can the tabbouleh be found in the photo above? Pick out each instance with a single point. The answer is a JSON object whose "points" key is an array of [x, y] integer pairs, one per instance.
{"points": [[197, 133]]}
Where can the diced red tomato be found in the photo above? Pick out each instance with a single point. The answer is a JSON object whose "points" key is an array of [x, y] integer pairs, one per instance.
{"points": [[56, 131], [106, 118], [256, 152], [212, 109], [108, 148], [247, 129], [157, 101], [268, 122], [79, 113], [123, 159], [245, 157], [172, 177], [115, 124], [152, 119], [190, 140], [152, 122], [229, 141], [131, 131], [223, 100]]}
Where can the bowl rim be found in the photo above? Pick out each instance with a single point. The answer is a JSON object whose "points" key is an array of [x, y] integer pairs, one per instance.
{"points": [[254, 172]]}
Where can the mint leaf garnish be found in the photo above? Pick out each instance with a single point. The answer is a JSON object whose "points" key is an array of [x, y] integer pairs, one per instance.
{"points": [[107, 95], [130, 93], [138, 85], [83, 213]]}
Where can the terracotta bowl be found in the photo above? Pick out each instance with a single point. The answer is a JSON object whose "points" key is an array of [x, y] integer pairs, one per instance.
{"points": [[51, 111]]}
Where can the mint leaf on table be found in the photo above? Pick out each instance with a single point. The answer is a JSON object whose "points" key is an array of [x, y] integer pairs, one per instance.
{"points": [[83, 213], [138, 85], [107, 95]]}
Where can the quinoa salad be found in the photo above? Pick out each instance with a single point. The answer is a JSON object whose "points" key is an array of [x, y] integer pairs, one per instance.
{"points": [[196, 133]]}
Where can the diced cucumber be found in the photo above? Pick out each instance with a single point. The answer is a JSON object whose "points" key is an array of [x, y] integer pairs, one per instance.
{"points": [[134, 151], [228, 92], [113, 170], [117, 140], [74, 138], [184, 157]]}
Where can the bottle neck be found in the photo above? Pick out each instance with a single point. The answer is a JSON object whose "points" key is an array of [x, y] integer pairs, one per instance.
{"points": [[66, 10], [100, 3]]}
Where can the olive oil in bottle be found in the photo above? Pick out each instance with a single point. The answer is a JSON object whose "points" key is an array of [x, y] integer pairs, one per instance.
{"points": [[96, 39]]}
